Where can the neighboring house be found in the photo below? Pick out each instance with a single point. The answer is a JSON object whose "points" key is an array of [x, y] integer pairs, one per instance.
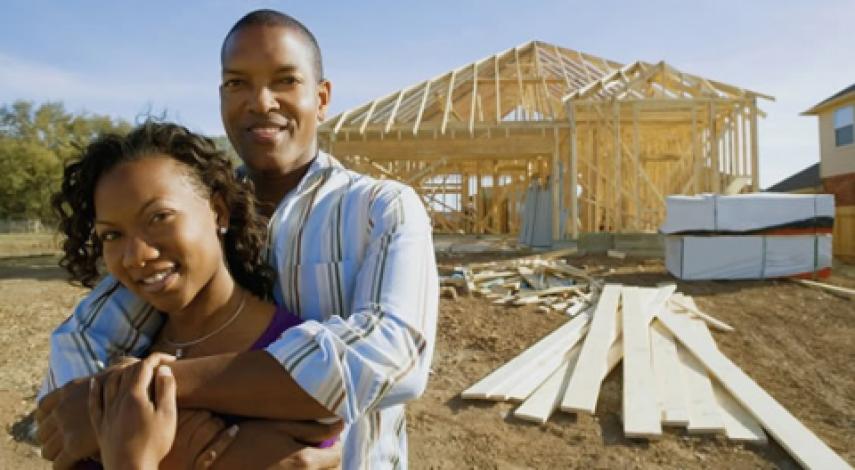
{"points": [[806, 181], [837, 163]]}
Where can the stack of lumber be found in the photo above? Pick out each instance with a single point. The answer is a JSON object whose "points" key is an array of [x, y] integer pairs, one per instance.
{"points": [[673, 375], [542, 279], [748, 236]]}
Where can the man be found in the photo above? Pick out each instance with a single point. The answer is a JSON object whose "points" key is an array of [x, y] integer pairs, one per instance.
{"points": [[354, 258]]}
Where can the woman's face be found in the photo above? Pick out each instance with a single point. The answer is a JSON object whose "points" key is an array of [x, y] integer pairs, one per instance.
{"points": [[159, 232]]}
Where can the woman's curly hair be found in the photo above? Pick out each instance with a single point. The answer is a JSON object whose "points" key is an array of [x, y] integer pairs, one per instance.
{"points": [[213, 174]]}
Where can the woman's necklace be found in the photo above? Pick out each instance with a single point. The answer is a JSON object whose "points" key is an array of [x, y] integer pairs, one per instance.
{"points": [[180, 347]]}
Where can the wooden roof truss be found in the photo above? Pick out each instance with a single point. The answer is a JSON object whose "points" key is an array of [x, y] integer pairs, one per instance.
{"points": [[471, 140]]}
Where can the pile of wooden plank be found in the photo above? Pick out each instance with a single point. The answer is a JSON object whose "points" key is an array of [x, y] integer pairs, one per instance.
{"points": [[543, 279], [673, 375]]}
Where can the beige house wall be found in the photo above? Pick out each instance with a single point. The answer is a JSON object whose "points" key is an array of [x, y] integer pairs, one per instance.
{"points": [[834, 161]]}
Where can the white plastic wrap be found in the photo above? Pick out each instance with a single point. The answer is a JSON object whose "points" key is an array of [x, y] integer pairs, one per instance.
{"points": [[745, 257], [743, 212]]}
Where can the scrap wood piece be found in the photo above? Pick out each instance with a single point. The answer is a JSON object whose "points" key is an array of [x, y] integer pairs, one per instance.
{"points": [[687, 303], [531, 297], [547, 255], [850, 293], [671, 387], [490, 275], [546, 400], [468, 278], [584, 385], [616, 254], [738, 424], [704, 416], [448, 292], [641, 417], [809, 450], [516, 366], [537, 373]]}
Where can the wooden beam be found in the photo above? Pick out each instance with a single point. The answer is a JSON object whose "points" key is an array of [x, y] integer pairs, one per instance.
{"points": [[551, 346], [584, 385], [498, 89], [617, 209], [515, 147], [755, 149], [555, 188], [448, 102], [367, 117], [421, 109], [703, 407], [670, 383], [636, 144], [520, 83], [799, 441], [574, 170], [474, 98], [640, 407], [394, 111]]}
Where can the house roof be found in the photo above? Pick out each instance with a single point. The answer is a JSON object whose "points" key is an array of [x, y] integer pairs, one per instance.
{"points": [[807, 178], [833, 99], [524, 84]]}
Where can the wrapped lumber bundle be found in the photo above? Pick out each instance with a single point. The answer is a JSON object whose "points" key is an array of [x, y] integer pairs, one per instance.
{"points": [[748, 236], [714, 214]]}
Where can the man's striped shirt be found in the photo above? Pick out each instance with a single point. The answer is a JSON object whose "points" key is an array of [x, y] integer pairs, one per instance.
{"points": [[355, 260]]}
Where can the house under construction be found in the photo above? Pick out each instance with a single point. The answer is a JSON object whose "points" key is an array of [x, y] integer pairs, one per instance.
{"points": [[608, 141]]}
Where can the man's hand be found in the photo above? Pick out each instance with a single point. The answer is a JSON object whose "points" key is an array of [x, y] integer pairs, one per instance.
{"points": [[64, 429], [272, 444], [198, 433], [132, 431]]}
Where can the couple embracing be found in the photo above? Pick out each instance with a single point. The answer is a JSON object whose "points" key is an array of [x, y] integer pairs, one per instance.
{"points": [[282, 317]]}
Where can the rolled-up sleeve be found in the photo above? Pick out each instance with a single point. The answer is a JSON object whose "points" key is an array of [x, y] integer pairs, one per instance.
{"points": [[378, 354]]}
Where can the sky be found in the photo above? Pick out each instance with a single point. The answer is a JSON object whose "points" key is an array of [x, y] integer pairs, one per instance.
{"points": [[126, 59]]}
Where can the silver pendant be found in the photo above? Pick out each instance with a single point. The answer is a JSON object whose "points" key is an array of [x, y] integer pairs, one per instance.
{"points": [[179, 353]]}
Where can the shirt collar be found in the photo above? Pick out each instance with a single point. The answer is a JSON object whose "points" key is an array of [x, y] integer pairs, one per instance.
{"points": [[321, 162]]}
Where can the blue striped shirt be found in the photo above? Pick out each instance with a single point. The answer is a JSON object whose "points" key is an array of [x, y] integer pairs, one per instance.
{"points": [[355, 260]]}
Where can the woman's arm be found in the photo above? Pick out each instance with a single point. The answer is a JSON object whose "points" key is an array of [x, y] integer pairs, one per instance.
{"points": [[251, 384]]}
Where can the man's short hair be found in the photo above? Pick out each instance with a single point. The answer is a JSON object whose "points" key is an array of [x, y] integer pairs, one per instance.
{"points": [[266, 17]]}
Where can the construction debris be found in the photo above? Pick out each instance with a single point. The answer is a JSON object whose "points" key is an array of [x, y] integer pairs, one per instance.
{"points": [[673, 374], [837, 290], [540, 279]]}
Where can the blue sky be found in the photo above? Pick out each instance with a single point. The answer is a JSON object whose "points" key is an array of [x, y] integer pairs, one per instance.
{"points": [[126, 58]]}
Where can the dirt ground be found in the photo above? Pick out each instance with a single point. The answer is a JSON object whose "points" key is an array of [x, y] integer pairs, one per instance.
{"points": [[798, 343]]}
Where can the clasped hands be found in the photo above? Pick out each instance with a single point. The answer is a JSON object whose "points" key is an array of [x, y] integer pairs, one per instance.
{"points": [[127, 414]]}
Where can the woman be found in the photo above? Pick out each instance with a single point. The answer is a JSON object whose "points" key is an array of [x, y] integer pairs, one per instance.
{"points": [[162, 210]]}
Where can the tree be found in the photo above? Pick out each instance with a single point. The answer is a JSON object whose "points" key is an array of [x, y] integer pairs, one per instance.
{"points": [[35, 145]]}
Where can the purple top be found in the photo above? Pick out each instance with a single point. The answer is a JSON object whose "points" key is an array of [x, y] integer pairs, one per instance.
{"points": [[282, 320]]}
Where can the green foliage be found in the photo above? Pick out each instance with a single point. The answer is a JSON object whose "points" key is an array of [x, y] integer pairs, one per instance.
{"points": [[35, 144]]}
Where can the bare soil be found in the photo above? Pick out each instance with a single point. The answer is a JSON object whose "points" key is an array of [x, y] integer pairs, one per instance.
{"points": [[796, 342]]}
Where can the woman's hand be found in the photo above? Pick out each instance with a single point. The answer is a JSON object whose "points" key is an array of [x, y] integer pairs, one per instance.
{"points": [[132, 430], [201, 437]]}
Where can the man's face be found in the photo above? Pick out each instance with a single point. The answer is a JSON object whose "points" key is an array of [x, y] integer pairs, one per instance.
{"points": [[270, 99]]}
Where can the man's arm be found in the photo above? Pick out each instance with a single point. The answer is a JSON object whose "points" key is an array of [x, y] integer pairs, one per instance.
{"points": [[378, 356], [109, 322]]}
